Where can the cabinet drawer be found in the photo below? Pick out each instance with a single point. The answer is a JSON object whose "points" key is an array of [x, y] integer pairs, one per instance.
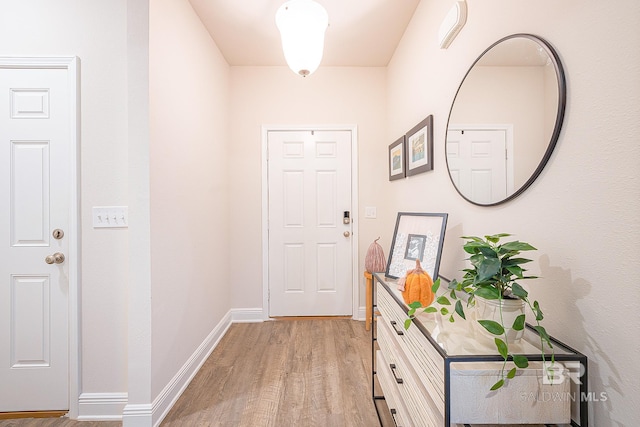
{"points": [[386, 341], [427, 362], [527, 399], [390, 390], [412, 391]]}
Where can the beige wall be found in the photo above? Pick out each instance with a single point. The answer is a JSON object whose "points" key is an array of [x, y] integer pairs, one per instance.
{"points": [[277, 96], [189, 99], [583, 212]]}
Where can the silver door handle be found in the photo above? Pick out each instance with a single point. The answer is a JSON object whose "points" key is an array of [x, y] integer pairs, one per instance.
{"points": [[346, 234], [57, 258]]}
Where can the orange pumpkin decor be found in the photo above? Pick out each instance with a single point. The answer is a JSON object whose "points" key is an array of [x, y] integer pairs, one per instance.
{"points": [[417, 286], [375, 261]]}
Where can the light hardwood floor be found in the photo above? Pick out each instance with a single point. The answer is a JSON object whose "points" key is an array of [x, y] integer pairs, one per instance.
{"points": [[302, 372], [283, 373], [56, 422]]}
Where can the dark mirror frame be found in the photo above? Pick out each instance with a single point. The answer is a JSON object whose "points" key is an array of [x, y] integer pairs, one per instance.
{"points": [[562, 99]]}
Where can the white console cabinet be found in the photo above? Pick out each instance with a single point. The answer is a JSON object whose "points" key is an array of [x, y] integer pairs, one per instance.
{"points": [[437, 373]]}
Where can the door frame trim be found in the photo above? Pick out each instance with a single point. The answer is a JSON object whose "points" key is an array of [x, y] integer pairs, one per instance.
{"points": [[72, 65], [354, 209]]}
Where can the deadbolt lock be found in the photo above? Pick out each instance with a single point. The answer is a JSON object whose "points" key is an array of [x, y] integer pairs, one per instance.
{"points": [[346, 217], [58, 234]]}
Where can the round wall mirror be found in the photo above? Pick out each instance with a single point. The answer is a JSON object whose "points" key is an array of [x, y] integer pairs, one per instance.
{"points": [[505, 119]]}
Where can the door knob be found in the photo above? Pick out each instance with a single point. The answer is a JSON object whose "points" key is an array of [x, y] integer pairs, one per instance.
{"points": [[57, 258], [346, 234]]}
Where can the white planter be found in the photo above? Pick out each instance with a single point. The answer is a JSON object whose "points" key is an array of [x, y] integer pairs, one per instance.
{"points": [[489, 309]]}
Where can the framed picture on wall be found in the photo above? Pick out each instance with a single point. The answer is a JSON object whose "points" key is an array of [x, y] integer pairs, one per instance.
{"points": [[416, 236], [420, 147], [397, 167]]}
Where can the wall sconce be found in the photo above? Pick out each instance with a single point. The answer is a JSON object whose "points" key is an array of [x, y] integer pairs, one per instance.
{"points": [[452, 23], [302, 24]]}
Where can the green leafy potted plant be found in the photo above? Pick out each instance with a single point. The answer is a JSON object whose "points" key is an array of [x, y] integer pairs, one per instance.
{"points": [[495, 269]]}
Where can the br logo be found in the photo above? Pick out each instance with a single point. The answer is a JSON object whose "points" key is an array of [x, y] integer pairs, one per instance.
{"points": [[557, 373]]}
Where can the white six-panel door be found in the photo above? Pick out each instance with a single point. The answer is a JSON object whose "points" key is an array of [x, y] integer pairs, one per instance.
{"points": [[310, 246], [35, 163], [477, 161]]}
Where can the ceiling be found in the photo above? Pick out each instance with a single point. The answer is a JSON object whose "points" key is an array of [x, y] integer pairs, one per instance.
{"points": [[361, 33]]}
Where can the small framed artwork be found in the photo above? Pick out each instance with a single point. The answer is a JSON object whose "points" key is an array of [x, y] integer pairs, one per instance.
{"points": [[415, 246], [416, 236], [397, 160], [420, 147]]}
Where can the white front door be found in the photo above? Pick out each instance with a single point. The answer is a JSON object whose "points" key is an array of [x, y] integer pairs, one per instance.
{"points": [[310, 246], [35, 169], [477, 161]]}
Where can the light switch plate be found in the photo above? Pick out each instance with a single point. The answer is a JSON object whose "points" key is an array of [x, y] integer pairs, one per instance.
{"points": [[110, 217], [370, 212]]}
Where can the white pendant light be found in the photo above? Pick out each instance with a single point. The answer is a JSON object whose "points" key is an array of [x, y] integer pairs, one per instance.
{"points": [[302, 24]]}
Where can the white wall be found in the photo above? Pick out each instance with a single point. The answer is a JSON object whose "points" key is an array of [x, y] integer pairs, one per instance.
{"points": [[277, 96], [583, 212], [96, 32], [189, 100]]}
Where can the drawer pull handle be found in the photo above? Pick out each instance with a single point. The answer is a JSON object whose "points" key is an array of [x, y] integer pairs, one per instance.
{"points": [[393, 416], [393, 371], [398, 331]]}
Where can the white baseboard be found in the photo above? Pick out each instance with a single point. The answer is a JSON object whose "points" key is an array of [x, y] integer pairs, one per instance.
{"points": [[247, 315], [255, 315], [170, 394], [101, 406], [113, 406], [137, 415], [172, 391]]}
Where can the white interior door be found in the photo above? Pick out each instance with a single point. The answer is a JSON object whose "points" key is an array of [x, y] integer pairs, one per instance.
{"points": [[35, 163], [477, 161], [310, 246]]}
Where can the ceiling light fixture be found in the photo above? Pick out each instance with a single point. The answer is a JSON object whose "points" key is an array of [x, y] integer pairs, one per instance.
{"points": [[302, 24]]}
